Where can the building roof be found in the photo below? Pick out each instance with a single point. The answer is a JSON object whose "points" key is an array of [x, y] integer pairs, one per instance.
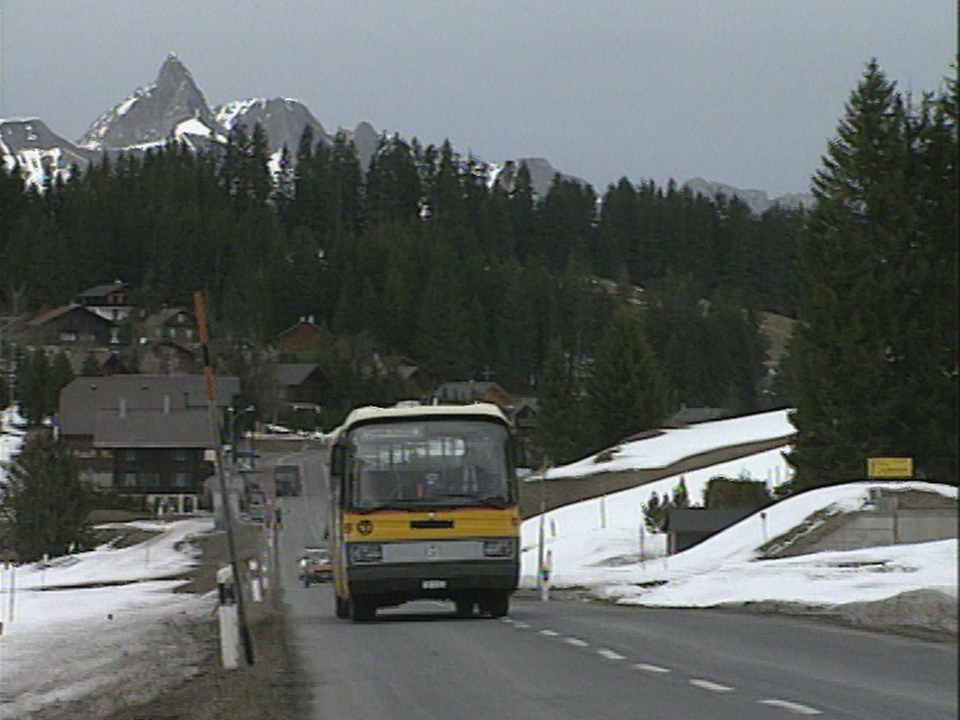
{"points": [[162, 317], [63, 311], [101, 291], [184, 428], [84, 397], [294, 373]]}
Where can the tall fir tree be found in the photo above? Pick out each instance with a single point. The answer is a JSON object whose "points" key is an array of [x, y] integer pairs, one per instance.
{"points": [[625, 391], [559, 433], [870, 267]]}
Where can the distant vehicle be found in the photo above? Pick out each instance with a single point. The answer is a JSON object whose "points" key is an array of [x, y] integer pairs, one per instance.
{"points": [[256, 502], [315, 566], [287, 480]]}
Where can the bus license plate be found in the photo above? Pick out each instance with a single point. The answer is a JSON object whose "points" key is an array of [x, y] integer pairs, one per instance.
{"points": [[433, 584]]}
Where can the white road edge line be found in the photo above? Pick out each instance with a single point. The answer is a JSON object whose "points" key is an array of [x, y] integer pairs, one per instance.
{"points": [[610, 654], [549, 633], [793, 707], [710, 685], [521, 625], [576, 641], [646, 667]]}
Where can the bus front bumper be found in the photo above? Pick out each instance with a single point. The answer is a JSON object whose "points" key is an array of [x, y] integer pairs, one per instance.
{"points": [[409, 581]]}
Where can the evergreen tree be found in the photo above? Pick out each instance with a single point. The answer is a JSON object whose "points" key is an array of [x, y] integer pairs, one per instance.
{"points": [[625, 391], [681, 497], [559, 434], [655, 512], [91, 368], [45, 503], [61, 375], [876, 353], [33, 376]]}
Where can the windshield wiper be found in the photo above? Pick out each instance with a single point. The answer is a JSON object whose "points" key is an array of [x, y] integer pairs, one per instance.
{"points": [[498, 501], [388, 505]]}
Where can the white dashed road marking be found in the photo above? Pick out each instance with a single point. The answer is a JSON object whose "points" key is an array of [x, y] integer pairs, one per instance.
{"points": [[710, 685], [610, 654], [793, 707], [646, 667]]}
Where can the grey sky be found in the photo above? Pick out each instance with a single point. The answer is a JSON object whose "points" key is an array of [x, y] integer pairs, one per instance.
{"points": [[738, 91]]}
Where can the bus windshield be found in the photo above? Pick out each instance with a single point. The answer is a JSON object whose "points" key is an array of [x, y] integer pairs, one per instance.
{"points": [[428, 463]]}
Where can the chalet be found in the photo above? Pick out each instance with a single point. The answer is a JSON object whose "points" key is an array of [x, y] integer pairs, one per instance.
{"points": [[108, 301], [72, 326], [169, 343], [300, 383], [171, 324], [146, 435], [303, 340]]}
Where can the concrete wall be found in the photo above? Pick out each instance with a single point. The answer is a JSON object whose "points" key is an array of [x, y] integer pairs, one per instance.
{"points": [[870, 529]]}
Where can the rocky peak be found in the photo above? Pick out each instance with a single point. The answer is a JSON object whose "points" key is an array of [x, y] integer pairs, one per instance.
{"points": [[152, 114], [173, 72]]}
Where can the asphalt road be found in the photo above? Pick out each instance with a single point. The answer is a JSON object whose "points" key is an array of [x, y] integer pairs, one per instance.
{"points": [[579, 660]]}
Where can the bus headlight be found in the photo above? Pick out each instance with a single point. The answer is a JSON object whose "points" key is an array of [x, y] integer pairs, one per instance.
{"points": [[366, 553], [499, 548]]}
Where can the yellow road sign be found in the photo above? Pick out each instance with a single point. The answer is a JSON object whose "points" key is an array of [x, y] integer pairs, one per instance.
{"points": [[890, 467]]}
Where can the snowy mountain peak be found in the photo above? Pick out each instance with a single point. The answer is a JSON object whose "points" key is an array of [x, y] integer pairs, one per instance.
{"points": [[152, 114], [283, 120]]}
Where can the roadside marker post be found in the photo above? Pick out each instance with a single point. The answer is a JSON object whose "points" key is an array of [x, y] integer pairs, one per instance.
{"points": [[201, 313]]}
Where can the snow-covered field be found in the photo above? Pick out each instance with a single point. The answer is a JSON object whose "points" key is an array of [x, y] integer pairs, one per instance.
{"points": [[83, 624], [60, 641]]}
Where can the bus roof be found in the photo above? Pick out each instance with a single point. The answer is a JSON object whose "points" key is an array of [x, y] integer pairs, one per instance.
{"points": [[403, 411]]}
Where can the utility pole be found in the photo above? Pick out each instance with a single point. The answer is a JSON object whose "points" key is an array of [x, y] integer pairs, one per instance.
{"points": [[201, 312]]}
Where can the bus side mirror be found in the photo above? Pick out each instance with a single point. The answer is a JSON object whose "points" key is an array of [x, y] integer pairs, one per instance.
{"points": [[337, 454], [514, 453]]}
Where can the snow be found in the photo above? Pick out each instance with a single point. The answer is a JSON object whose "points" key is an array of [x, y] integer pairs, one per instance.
{"points": [[93, 610], [192, 126], [227, 114], [596, 544], [676, 444], [72, 626]]}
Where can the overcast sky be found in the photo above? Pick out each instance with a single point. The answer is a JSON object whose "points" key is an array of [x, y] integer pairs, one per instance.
{"points": [[745, 92]]}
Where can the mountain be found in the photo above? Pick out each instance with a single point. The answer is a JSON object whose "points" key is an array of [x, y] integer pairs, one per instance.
{"points": [[757, 200], [283, 120], [155, 113], [39, 151], [174, 108]]}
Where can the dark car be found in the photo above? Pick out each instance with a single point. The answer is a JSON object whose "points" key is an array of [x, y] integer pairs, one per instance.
{"points": [[315, 566]]}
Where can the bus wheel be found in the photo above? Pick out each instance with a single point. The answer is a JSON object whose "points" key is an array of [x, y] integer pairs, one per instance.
{"points": [[497, 605], [362, 610], [342, 607], [464, 607]]}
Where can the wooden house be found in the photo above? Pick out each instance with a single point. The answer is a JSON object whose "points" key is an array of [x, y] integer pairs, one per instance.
{"points": [[146, 435]]}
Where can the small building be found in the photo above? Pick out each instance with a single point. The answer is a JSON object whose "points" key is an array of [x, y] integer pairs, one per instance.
{"points": [[303, 340], [145, 435], [72, 326], [108, 301], [686, 527], [300, 383]]}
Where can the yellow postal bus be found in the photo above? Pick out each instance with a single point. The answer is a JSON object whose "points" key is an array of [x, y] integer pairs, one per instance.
{"points": [[424, 505]]}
